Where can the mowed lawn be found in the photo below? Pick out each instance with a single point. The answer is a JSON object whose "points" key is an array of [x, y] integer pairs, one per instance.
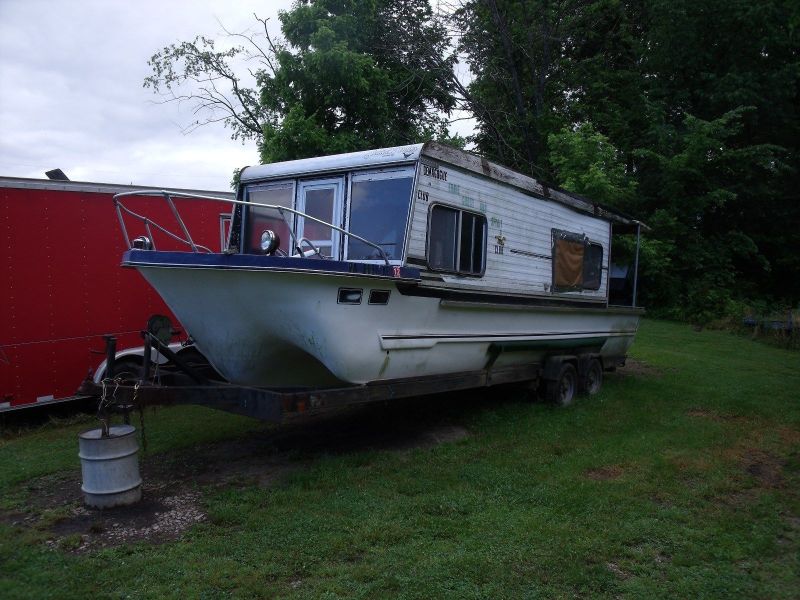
{"points": [[680, 479]]}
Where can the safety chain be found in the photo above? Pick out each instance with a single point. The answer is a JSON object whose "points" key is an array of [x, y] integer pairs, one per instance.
{"points": [[105, 402]]}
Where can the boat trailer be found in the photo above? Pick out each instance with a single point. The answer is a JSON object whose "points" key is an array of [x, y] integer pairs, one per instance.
{"points": [[189, 386]]}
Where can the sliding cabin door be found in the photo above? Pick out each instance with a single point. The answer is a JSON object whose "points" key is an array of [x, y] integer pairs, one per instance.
{"points": [[321, 198]]}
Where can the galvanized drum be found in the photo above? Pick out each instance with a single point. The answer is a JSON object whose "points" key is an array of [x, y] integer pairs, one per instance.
{"points": [[110, 467]]}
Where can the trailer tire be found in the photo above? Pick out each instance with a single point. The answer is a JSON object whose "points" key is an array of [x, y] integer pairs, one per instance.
{"points": [[128, 367], [593, 380], [562, 390]]}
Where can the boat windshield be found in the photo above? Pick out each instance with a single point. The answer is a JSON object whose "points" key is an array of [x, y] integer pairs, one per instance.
{"points": [[377, 210], [379, 204]]}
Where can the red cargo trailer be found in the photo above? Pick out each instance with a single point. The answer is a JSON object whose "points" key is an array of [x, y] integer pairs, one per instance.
{"points": [[64, 289]]}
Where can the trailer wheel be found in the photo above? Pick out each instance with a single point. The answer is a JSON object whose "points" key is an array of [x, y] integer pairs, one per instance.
{"points": [[128, 368], [562, 390], [593, 380]]}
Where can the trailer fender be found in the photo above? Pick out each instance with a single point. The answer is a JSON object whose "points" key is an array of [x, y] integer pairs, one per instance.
{"points": [[137, 352], [552, 366]]}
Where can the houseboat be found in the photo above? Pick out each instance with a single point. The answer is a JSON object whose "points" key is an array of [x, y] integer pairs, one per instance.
{"points": [[384, 265]]}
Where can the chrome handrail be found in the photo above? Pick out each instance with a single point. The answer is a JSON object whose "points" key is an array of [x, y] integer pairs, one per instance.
{"points": [[188, 240]]}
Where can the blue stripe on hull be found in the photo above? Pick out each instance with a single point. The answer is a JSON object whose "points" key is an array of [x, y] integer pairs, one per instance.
{"points": [[197, 260]]}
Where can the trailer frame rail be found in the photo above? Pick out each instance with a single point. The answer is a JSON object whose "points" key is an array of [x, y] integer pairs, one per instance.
{"points": [[274, 405]]}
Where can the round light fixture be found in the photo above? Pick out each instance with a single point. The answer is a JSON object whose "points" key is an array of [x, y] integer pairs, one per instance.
{"points": [[269, 241], [142, 243]]}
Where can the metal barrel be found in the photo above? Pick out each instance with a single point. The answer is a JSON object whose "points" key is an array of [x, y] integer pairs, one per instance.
{"points": [[110, 467]]}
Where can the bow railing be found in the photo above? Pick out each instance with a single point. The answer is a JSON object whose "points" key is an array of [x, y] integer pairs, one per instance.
{"points": [[187, 238]]}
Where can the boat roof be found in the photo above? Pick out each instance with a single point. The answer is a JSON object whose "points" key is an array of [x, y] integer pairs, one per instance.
{"points": [[403, 155], [381, 157]]}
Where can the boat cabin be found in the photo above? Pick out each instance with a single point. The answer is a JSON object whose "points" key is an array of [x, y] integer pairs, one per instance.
{"points": [[469, 225]]}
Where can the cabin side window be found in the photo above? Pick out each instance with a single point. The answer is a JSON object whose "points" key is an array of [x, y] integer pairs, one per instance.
{"points": [[577, 262], [456, 241], [592, 266], [378, 212], [260, 218]]}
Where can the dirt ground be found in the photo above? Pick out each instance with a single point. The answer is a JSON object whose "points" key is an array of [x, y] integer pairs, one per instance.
{"points": [[638, 368]]}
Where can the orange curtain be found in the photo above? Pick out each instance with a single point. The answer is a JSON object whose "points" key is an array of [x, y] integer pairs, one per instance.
{"points": [[569, 264]]}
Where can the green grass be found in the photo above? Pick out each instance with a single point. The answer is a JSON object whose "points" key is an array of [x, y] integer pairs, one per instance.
{"points": [[680, 482], [53, 447]]}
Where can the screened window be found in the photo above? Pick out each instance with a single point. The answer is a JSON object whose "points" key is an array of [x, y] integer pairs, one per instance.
{"points": [[456, 241], [592, 266], [577, 262], [260, 218], [379, 212]]}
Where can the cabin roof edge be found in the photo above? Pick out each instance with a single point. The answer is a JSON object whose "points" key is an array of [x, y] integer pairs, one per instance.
{"points": [[376, 158], [483, 166]]}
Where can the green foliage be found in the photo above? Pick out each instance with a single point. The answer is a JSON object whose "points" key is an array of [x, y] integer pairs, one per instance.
{"points": [[687, 121], [588, 164], [689, 188]]}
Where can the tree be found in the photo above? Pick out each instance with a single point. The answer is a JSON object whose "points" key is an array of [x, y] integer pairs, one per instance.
{"points": [[513, 50], [197, 73], [350, 75], [722, 92], [362, 74], [699, 100]]}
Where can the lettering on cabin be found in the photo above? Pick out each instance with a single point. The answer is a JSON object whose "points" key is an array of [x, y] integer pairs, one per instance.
{"points": [[497, 223], [434, 171], [422, 195], [453, 188], [471, 203]]}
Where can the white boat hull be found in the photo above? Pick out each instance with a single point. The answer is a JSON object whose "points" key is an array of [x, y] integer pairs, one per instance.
{"points": [[273, 328]]}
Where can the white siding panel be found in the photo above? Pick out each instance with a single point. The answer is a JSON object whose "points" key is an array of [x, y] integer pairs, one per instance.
{"points": [[524, 221]]}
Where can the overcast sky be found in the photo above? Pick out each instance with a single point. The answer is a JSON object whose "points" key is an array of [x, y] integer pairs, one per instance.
{"points": [[71, 92]]}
